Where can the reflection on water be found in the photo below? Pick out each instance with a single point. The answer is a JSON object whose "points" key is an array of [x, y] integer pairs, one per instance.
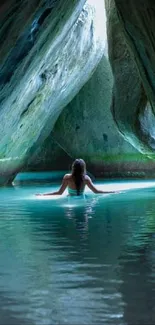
{"points": [[87, 260]]}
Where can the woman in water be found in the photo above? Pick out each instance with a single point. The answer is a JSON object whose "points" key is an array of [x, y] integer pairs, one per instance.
{"points": [[76, 181]]}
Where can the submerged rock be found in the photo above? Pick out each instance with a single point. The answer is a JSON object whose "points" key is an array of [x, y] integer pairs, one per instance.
{"points": [[48, 52]]}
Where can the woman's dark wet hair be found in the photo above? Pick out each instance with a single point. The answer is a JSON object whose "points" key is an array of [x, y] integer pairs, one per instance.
{"points": [[78, 173]]}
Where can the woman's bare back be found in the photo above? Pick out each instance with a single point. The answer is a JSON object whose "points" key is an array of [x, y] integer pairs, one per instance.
{"points": [[71, 183]]}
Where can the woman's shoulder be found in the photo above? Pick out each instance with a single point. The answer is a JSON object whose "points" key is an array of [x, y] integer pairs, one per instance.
{"points": [[67, 176], [87, 178]]}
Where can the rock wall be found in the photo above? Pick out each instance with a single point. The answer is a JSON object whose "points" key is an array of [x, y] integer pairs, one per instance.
{"points": [[86, 129], [48, 51], [49, 156], [138, 21], [131, 37]]}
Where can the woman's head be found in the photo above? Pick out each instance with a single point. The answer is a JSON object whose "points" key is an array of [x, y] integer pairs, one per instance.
{"points": [[78, 172], [79, 166]]}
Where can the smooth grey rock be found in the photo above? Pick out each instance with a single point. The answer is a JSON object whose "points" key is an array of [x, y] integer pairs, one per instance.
{"points": [[130, 101], [86, 129], [134, 70], [48, 52], [138, 22]]}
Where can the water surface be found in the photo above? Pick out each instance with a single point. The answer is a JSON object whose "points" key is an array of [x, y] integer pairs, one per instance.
{"points": [[78, 260]]}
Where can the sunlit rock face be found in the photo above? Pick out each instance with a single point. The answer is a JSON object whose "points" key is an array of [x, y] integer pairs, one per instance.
{"points": [[131, 36], [48, 51]]}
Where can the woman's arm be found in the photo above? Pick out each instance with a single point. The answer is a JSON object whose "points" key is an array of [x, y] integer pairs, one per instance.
{"points": [[90, 184], [61, 189]]}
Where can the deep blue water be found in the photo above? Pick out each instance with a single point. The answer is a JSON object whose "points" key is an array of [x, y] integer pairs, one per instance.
{"points": [[78, 260]]}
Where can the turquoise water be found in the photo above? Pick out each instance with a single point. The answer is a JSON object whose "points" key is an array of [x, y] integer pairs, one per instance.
{"points": [[78, 260]]}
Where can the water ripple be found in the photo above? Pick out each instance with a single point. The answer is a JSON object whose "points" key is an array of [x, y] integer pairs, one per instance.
{"points": [[68, 263]]}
